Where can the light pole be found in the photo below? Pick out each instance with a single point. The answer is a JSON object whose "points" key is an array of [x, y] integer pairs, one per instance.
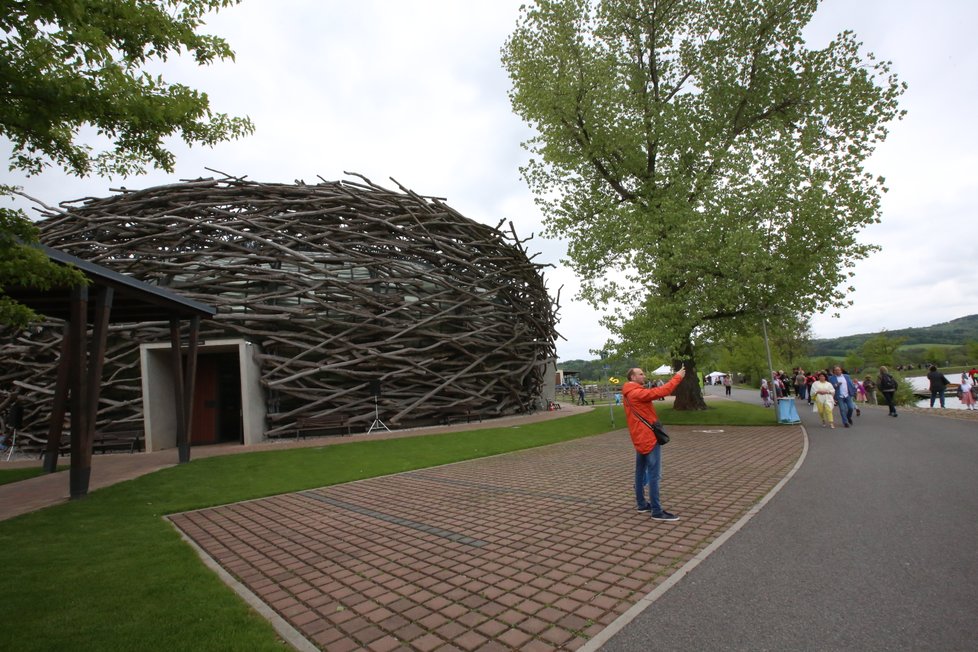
{"points": [[611, 406], [770, 366]]}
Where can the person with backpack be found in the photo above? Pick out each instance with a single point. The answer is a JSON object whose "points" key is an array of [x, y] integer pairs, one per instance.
{"points": [[887, 385]]}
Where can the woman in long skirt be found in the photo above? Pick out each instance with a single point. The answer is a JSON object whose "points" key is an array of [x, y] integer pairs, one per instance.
{"points": [[824, 395], [967, 397]]}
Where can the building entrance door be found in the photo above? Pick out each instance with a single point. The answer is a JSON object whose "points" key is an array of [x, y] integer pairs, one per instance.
{"points": [[217, 400]]}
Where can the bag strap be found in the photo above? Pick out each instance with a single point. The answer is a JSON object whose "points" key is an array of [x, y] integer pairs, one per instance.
{"points": [[640, 417]]}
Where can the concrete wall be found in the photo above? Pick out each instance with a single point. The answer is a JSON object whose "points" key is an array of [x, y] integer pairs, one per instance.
{"points": [[159, 401]]}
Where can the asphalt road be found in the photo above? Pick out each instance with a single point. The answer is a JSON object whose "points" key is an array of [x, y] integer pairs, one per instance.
{"points": [[873, 545]]}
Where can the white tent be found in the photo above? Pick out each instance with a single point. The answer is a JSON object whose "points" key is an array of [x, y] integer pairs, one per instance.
{"points": [[715, 376], [664, 369]]}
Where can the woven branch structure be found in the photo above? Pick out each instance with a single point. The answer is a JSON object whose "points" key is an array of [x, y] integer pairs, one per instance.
{"points": [[337, 284]]}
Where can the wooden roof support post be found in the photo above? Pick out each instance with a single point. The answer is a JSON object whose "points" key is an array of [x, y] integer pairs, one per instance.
{"points": [[176, 362], [189, 381], [81, 464], [90, 376], [96, 354], [183, 382], [59, 406]]}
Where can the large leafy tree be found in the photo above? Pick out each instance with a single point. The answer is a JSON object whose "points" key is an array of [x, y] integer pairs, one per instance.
{"points": [[704, 165], [69, 67], [881, 349]]}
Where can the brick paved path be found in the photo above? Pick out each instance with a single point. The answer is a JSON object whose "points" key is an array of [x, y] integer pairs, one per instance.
{"points": [[535, 550]]}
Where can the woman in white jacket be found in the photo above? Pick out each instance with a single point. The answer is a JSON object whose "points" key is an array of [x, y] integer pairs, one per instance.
{"points": [[824, 395]]}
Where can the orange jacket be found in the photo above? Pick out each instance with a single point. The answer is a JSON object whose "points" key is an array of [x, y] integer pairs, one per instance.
{"points": [[639, 400]]}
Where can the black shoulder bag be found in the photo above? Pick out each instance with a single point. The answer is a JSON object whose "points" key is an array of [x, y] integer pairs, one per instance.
{"points": [[661, 436]]}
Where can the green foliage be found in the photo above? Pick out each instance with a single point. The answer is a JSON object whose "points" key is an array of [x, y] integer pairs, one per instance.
{"points": [[939, 354], [792, 340], [971, 350], [76, 64], [696, 147], [854, 361], [746, 355], [593, 371], [936, 355], [881, 349], [25, 266], [650, 363], [824, 363]]}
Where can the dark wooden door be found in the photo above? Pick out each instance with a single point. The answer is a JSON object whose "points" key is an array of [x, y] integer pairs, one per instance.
{"points": [[203, 426]]}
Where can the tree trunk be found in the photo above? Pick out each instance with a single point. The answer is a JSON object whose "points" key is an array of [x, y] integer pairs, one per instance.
{"points": [[689, 394]]}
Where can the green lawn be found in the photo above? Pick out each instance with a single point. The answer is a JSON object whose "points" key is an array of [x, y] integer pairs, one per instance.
{"points": [[109, 573]]}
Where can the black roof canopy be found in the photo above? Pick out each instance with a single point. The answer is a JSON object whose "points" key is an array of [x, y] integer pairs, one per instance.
{"points": [[134, 301]]}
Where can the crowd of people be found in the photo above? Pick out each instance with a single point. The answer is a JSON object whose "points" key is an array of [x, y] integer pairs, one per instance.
{"points": [[846, 391], [967, 387], [825, 389]]}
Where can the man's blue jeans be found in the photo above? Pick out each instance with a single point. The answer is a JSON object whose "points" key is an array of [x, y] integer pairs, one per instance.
{"points": [[648, 471], [934, 393], [846, 408]]}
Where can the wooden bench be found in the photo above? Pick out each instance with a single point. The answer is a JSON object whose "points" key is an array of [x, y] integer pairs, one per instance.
{"points": [[130, 440], [32, 446], [464, 416], [321, 424], [29, 445]]}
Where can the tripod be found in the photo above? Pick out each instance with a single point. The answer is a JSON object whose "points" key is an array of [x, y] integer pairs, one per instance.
{"points": [[11, 443], [377, 422]]}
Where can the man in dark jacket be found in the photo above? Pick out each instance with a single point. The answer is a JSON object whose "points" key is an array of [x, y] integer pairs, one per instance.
{"points": [[937, 384]]}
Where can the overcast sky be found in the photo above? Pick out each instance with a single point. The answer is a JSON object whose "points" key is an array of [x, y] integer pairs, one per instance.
{"points": [[414, 90]]}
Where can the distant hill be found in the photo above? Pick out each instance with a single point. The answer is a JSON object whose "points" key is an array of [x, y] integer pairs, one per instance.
{"points": [[957, 331]]}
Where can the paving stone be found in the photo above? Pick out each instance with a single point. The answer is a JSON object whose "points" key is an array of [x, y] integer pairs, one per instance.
{"points": [[503, 551]]}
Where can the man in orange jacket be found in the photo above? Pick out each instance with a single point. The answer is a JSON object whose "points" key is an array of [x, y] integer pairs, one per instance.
{"points": [[648, 456]]}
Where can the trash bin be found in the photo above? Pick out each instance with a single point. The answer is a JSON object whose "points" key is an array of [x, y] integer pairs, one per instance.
{"points": [[787, 412]]}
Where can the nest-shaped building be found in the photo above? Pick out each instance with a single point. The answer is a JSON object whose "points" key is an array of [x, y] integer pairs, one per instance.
{"points": [[337, 299]]}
